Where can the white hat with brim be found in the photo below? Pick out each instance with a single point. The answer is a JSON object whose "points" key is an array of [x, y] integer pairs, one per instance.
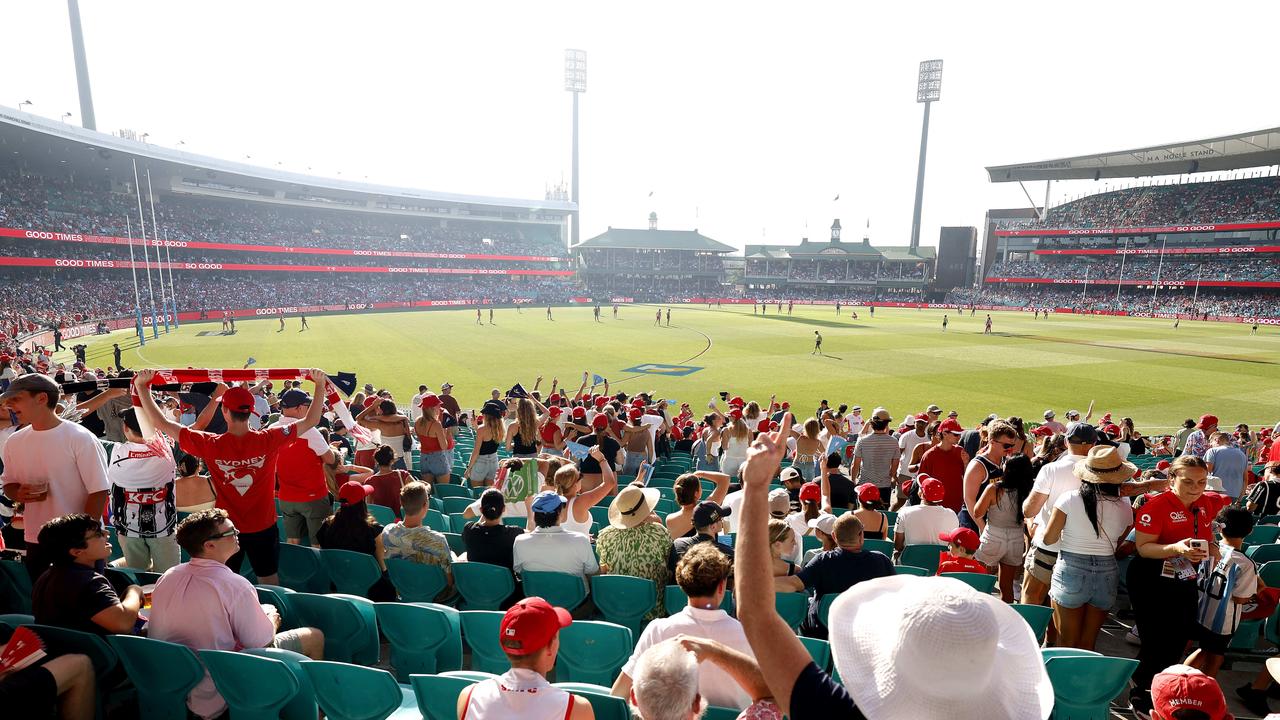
{"points": [[632, 506], [913, 647]]}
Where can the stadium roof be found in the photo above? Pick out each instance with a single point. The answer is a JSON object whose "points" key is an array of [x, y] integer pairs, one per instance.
{"points": [[827, 250], [46, 145], [904, 253], [623, 238], [1232, 152]]}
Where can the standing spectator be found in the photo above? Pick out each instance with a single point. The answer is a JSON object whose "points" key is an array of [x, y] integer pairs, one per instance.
{"points": [[353, 528], [1003, 535], [72, 593], [411, 540], [1088, 524], [384, 417], [875, 458], [1231, 584], [1057, 427], [52, 467], [945, 462], [1188, 426], [1198, 441], [1228, 463], [702, 574], [985, 468], [241, 464], [1054, 480], [550, 547], [635, 543], [530, 636], [1264, 497], [143, 507], [435, 444], [907, 444], [204, 605], [387, 480], [483, 465], [415, 404], [303, 485], [922, 524]]}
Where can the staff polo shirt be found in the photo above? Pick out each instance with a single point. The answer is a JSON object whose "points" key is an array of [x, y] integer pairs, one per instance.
{"points": [[1166, 517]]}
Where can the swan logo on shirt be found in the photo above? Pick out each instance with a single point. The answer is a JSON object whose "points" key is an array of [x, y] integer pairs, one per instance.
{"points": [[239, 474]]}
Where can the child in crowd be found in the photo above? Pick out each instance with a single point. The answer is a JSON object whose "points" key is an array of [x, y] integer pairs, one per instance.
{"points": [[962, 543], [1224, 591]]}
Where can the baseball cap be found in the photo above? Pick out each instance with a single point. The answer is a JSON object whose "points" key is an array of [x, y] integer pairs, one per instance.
{"points": [[36, 383], [294, 398], [857, 408], [555, 398], [810, 491], [636, 413], [548, 501], [736, 400], [1162, 465], [1073, 414], [1083, 434], [1042, 431], [601, 401], [1048, 414], [790, 474], [779, 502], [579, 413], [950, 425], [1181, 686], [953, 414], [933, 409], [932, 490], [962, 536], [825, 522], [905, 427], [766, 425], [554, 411], [430, 400], [868, 493], [736, 414], [353, 491], [446, 386], [786, 405], [709, 513], [530, 625], [600, 421], [237, 399], [1207, 420], [637, 403], [881, 414]]}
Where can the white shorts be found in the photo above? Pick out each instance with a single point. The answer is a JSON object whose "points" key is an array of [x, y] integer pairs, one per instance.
{"points": [[1004, 546]]}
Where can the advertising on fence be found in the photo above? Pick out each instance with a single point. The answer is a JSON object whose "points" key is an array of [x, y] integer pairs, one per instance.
{"points": [[1139, 282], [126, 265], [1217, 250], [1204, 228]]}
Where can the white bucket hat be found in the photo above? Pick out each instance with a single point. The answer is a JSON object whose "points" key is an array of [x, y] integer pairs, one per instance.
{"points": [[927, 647]]}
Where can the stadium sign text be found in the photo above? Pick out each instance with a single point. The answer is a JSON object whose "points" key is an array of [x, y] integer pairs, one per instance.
{"points": [[1154, 230]]}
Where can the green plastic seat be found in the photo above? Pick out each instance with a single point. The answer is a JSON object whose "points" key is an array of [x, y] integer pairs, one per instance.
{"points": [[1037, 616], [593, 652], [1262, 535], [792, 606], [515, 521], [1262, 554], [720, 713], [810, 542], [424, 637], [383, 514], [1048, 653], [884, 547], [301, 569], [447, 490], [257, 686], [1084, 686], [12, 621], [416, 582], [604, 704], [279, 597], [117, 549], [348, 622], [925, 556], [456, 505], [456, 545], [480, 630], [674, 600], [15, 587], [559, 589], [472, 675], [624, 600], [162, 672], [911, 570], [350, 692], [457, 523], [437, 695], [1270, 573], [437, 521], [61, 641], [982, 582], [352, 573], [482, 586], [600, 513], [819, 650], [824, 606]]}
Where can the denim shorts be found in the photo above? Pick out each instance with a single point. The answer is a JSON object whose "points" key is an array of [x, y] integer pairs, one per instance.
{"points": [[437, 463], [1084, 579]]}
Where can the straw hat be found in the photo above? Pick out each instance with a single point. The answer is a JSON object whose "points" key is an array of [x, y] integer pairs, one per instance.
{"points": [[1104, 465], [913, 647], [632, 506]]}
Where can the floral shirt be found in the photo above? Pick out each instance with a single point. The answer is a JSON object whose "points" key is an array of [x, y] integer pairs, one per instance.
{"points": [[641, 552], [420, 544]]}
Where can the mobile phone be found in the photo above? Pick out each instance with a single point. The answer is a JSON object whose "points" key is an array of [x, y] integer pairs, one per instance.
{"points": [[1201, 545]]}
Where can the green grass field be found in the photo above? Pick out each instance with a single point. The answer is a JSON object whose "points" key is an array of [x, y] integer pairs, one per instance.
{"points": [[901, 359]]}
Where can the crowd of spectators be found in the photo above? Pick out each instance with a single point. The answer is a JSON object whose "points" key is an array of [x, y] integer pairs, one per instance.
{"points": [[835, 270], [1261, 267], [627, 259], [1170, 300]]}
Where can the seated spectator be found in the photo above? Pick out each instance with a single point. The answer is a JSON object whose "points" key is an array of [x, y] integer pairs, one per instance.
{"points": [[1228, 463], [635, 543], [204, 605], [824, 528], [922, 524], [72, 593], [837, 488], [1264, 497], [530, 636], [411, 540], [782, 547], [835, 571], [665, 686], [708, 520], [962, 543], [1185, 693], [387, 481], [874, 522], [702, 574], [489, 540], [688, 492], [551, 548], [63, 685], [353, 528]]}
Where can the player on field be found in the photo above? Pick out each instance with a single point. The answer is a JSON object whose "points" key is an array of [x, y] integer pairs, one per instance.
{"points": [[986, 328], [817, 343], [281, 321], [305, 326], [615, 311], [490, 314], [478, 320], [944, 322], [668, 317], [657, 317]]}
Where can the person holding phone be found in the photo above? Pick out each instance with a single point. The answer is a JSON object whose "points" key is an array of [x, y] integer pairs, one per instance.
{"points": [[1173, 533]]}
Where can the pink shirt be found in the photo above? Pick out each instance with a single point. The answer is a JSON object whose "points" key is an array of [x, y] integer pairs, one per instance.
{"points": [[204, 605]]}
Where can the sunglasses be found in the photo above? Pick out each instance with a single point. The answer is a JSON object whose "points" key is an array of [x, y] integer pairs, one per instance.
{"points": [[230, 533]]}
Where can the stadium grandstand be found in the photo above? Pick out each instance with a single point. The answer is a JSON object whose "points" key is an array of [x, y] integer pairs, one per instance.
{"points": [[1171, 243], [234, 237], [652, 264]]}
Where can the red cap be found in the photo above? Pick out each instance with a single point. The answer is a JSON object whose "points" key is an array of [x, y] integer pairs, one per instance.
{"points": [[369, 400], [430, 400], [962, 536], [237, 399], [1180, 686], [868, 493], [922, 417], [1207, 420], [786, 405], [810, 491], [1106, 417], [905, 427], [636, 413], [600, 421], [353, 491], [736, 414], [555, 398], [1162, 465], [736, 400], [932, 489], [637, 403], [530, 625], [554, 411], [765, 425], [579, 413], [601, 401], [1042, 431], [951, 425], [1111, 429]]}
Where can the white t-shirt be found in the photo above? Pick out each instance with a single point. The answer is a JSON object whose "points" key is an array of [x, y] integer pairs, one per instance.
{"points": [[1115, 517], [715, 685], [733, 501], [415, 407], [921, 524], [1053, 480], [68, 457], [907, 443], [855, 424]]}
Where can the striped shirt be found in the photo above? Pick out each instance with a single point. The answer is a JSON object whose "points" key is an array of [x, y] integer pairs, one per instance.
{"points": [[877, 452], [1235, 576]]}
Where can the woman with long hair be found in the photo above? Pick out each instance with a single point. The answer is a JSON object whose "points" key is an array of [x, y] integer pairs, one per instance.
{"points": [[435, 443], [593, 465], [1003, 537], [809, 450], [522, 437], [752, 416], [549, 431], [688, 489], [353, 528], [735, 438], [782, 545], [483, 465], [1090, 522], [568, 482], [387, 480], [706, 451], [193, 492], [1136, 440]]}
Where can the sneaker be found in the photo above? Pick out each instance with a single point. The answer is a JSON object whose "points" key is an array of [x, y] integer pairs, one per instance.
{"points": [[1140, 704], [1254, 700], [1131, 637]]}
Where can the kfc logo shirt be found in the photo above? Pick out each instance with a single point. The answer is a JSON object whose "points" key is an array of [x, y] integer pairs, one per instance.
{"points": [[142, 497], [243, 471]]}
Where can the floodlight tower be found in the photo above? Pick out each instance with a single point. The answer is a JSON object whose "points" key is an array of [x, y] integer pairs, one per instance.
{"points": [[575, 81], [82, 67], [928, 91]]}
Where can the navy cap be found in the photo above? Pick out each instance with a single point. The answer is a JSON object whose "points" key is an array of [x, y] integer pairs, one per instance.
{"points": [[294, 398], [708, 513]]}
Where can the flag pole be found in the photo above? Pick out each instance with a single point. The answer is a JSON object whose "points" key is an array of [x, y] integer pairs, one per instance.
{"points": [[146, 258], [155, 233], [133, 267]]}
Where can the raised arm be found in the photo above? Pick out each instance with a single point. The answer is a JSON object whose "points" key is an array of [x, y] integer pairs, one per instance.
{"points": [[206, 415], [316, 409], [142, 384], [100, 399]]}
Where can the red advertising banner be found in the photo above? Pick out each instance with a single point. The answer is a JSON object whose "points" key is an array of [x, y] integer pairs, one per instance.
{"points": [[1069, 232], [197, 245], [1148, 281], [126, 265], [1221, 250]]}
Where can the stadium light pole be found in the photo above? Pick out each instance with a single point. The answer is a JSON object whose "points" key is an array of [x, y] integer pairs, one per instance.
{"points": [[575, 81], [87, 118], [928, 91]]}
